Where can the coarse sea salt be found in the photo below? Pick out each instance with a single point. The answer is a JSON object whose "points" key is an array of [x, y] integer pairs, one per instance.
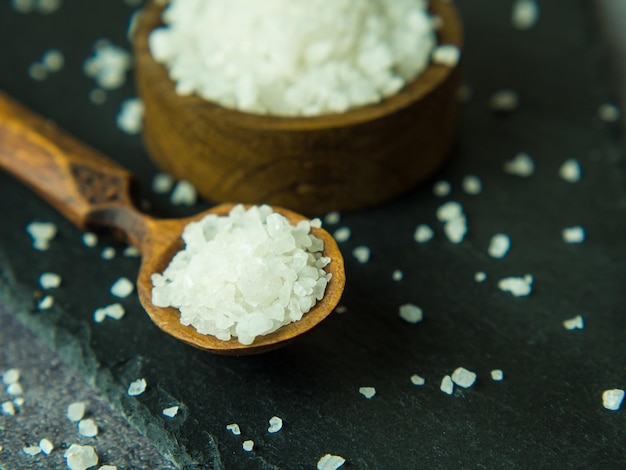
{"points": [[397, 275], [46, 302], [115, 311], [8, 408], [480, 276], [295, 58], [275, 424], [518, 286], [570, 170], [80, 457], [90, 239], [472, 184], [248, 445], [342, 234], [131, 252], [108, 65], [332, 218], [521, 165], [46, 446], [574, 234], [525, 14], [162, 183], [170, 412], [367, 392], [87, 428], [612, 399], [575, 323], [608, 112], [15, 389], [130, 116], [446, 54], [442, 188], [499, 245], [97, 96], [330, 462], [463, 377], [454, 221], [411, 313], [31, 450], [184, 194], [49, 280], [423, 233], [362, 254], [108, 253], [497, 375], [245, 274], [122, 287], [504, 101], [417, 380], [447, 386], [234, 429], [76, 411], [137, 387], [42, 233], [11, 376]]}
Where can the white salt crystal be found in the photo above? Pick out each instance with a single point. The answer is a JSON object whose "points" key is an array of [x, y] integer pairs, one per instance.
{"points": [[417, 380], [170, 412], [499, 245], [455, 229], [234, 428], [46, 446], [576, 323], [570, 170], [362, 254], [53, 60], [609, 112], [137, 387], [115, 311], [574, 234], [184, 194], [8, 408], [411, 313], [31, 450], [15, 389], [504, 101], [441, 188], [525, 14], [497, 375], [49, 280], [447, 386], [341, 309], [521, 165], [446, 54], [48, 6], [342, 234], [87, 428], [162, 183], [423, 233], [276, 424], [480, 276], [23, 6], [90, 239], [37, 71], [108, 253], [11, 376], [80, 457], [518, 286], [97, 96], [472, 184], [612, 399], [122, 288], [332, 218], [108, 65], [130, 116], [330, 462], [108, 467], [367, 392], [463, 377], [19, 401], [76, 411], [42, 233], [450, 210], [397, 275], [248, 445], [131, 252], [46, 302]]}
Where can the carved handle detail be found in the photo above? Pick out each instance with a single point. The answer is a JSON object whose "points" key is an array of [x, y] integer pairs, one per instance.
{"points": [[96, 187]]}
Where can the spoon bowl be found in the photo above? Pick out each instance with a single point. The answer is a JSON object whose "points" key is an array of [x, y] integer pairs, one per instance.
{"points": [[93, 191]]}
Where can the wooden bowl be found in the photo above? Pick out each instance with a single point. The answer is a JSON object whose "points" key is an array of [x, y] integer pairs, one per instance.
{"points": [[312, 165]]}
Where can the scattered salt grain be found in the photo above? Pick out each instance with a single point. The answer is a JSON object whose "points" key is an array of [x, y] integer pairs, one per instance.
{"points": [[570, 170], [504, 101], [411, 313], [137, 387], [446, 54], [87, 428], [76, 411], [184, 194], [423, 233], [480, 276], [463, 377], [108, 65], [37, 71], [332, 218], [518, 286], [122, 288], [8, 408], [11, 376], [330, 462], [275, 424], [525, 14], [131, 252], [130, 116], [342, 234], [417, 380], [162, 183], [19, 401], [80, 457], [97, 96], [442, 188], [49, 280], [90, 239], [115, 311], [341, 309], [397, 275], [497, 375], [108, 467], [576, 323], [612, 399], [248, 445], [48, 6], [499, 245], [574, 234], [53, 60], [367, 392], [455, 224], [521, 165], [42, 233], [362, 254], [31, 450], [608, 112], [46, 302], [46, 446], [234, 428], [447, 386], [472, 185], [15, 389], [170, 412], [23, 6], [449, 211]]}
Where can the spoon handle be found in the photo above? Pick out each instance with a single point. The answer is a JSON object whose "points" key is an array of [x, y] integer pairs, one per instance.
{"points": [[85, 186]]}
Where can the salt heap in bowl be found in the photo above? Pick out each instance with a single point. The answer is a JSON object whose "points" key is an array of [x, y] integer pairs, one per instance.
{"points": [[287, 58], [245, 274]]}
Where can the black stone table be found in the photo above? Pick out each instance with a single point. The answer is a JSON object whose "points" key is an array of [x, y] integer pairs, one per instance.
{"points": [[546, 413]]}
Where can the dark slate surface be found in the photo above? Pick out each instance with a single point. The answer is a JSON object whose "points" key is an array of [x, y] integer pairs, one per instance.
{"points": [[547, 412]]}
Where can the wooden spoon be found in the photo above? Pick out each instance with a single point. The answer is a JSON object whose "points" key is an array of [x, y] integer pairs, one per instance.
{"points": [[93, 191]]}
